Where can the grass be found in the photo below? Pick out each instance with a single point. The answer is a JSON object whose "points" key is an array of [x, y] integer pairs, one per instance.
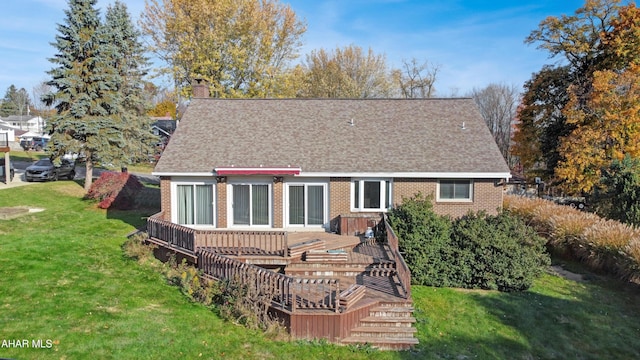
{"points": [[64, 278], [27, 156]]}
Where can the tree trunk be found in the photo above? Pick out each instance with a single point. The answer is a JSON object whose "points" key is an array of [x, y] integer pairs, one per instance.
{"points": [[88, 179]]}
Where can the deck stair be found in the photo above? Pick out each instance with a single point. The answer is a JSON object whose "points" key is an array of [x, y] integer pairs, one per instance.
{"points": [[389, 326]]}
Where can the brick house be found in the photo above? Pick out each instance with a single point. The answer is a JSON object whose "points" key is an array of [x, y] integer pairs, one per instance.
{"points": [[300, 164]]}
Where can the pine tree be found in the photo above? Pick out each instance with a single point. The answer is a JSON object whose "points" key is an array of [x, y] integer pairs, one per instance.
{"points": [[131, 65], [86, 94]]}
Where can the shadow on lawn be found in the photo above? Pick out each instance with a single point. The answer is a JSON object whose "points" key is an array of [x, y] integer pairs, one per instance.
{"points": [[511, 325], [145, 204], [587, 323]]}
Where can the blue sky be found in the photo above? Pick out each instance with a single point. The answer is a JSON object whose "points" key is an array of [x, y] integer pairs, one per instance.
{"points": [[474, 43]]}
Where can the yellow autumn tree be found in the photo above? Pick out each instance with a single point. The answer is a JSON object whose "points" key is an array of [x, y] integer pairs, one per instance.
{"points": [[607, 129], [241, 47]]}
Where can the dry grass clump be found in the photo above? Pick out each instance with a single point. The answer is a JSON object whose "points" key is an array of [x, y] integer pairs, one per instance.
{"points": [[603, 245]]}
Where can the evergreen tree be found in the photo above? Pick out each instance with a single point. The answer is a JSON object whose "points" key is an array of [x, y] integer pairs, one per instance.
{"points": [[131, 65], [9, 106], [85, 95], [15, 102]]}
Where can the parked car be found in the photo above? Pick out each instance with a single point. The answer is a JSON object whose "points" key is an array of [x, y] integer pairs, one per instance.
{"points": [[3, 170], [36, 143], [44, 170]]}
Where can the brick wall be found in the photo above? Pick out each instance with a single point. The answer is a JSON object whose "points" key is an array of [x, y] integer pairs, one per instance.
{"points": [[221, 201], [339, 197], [165, 197], [278, 210], [486, 196]]}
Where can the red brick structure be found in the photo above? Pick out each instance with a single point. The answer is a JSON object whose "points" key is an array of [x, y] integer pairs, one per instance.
{"points": [[302, 163]]}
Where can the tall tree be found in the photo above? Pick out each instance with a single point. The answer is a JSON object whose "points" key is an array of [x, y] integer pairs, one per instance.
{"points": [[540, 122], [497, 104], [606, 126], [347, 73], [85, 95], [131, 66], [416, 79], [241, 47], [577, 40]]}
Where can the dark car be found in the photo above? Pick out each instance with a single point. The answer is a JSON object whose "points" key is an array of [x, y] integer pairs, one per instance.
{"points": [[36, 143], [3, 171], [44, 169]]}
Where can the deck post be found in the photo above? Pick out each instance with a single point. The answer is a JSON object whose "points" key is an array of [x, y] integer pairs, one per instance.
{"points": [[337, 303]]}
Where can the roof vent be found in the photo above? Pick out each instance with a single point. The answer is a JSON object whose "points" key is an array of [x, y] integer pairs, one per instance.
{"points": [[463, 126], [351, 122]]}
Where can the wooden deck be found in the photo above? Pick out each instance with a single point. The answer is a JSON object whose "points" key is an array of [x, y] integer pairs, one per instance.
{"points": [[308, 293]]}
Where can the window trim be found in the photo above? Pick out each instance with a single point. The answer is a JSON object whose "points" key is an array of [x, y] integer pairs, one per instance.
{"points": [[383, 194], [454, 200], [194, 183]]}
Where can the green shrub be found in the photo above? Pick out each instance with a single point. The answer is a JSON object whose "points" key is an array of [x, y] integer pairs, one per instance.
{"points": [[424, 240], [619, 195], [496, 252], [476, 251]]}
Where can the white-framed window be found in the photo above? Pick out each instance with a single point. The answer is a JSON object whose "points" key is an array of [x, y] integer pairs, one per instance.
{"points": [[306, 204], [460, 190], [194, 203], [371, 194], [250, 203]]}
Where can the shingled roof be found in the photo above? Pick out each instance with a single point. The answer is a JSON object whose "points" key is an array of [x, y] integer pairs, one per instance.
{"points": [[336, 136]]}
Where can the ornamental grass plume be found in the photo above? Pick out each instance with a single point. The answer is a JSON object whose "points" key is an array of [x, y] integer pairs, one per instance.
{"points": [[603, 245]]}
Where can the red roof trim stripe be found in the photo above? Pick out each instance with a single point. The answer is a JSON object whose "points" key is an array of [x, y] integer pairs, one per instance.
{"points": [[257, 171]]}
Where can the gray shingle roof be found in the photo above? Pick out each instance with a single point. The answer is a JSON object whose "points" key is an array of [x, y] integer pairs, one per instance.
{"points": [[387, 136]]}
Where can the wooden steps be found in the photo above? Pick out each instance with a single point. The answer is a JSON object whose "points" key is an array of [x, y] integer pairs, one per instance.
{"points": [[325, 256], [352, 295], [296, 250], [389, 326]]}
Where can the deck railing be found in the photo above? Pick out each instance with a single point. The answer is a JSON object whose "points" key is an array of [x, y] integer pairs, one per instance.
{"points": [[404, 274], [286, 292], [239, 242], [174, 234], [227, 242]]}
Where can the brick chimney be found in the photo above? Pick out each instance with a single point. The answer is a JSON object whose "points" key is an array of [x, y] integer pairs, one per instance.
{"points": [[200, 88]]}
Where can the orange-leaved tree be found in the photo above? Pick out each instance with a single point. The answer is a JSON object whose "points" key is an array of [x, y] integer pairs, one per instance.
{"points": [[607, 127], [606, 130]]}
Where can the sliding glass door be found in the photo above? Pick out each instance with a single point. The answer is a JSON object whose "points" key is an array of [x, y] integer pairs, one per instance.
{"points": [[306, 205], [251, 204]]}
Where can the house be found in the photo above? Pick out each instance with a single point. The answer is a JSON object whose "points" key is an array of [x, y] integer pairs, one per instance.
{"points": [[301, 163], [26, 122], [295, 185], [163, 126]]}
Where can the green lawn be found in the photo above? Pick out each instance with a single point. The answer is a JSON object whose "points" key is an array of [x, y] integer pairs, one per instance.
{"points": [[64, 278], [28, 156]]}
